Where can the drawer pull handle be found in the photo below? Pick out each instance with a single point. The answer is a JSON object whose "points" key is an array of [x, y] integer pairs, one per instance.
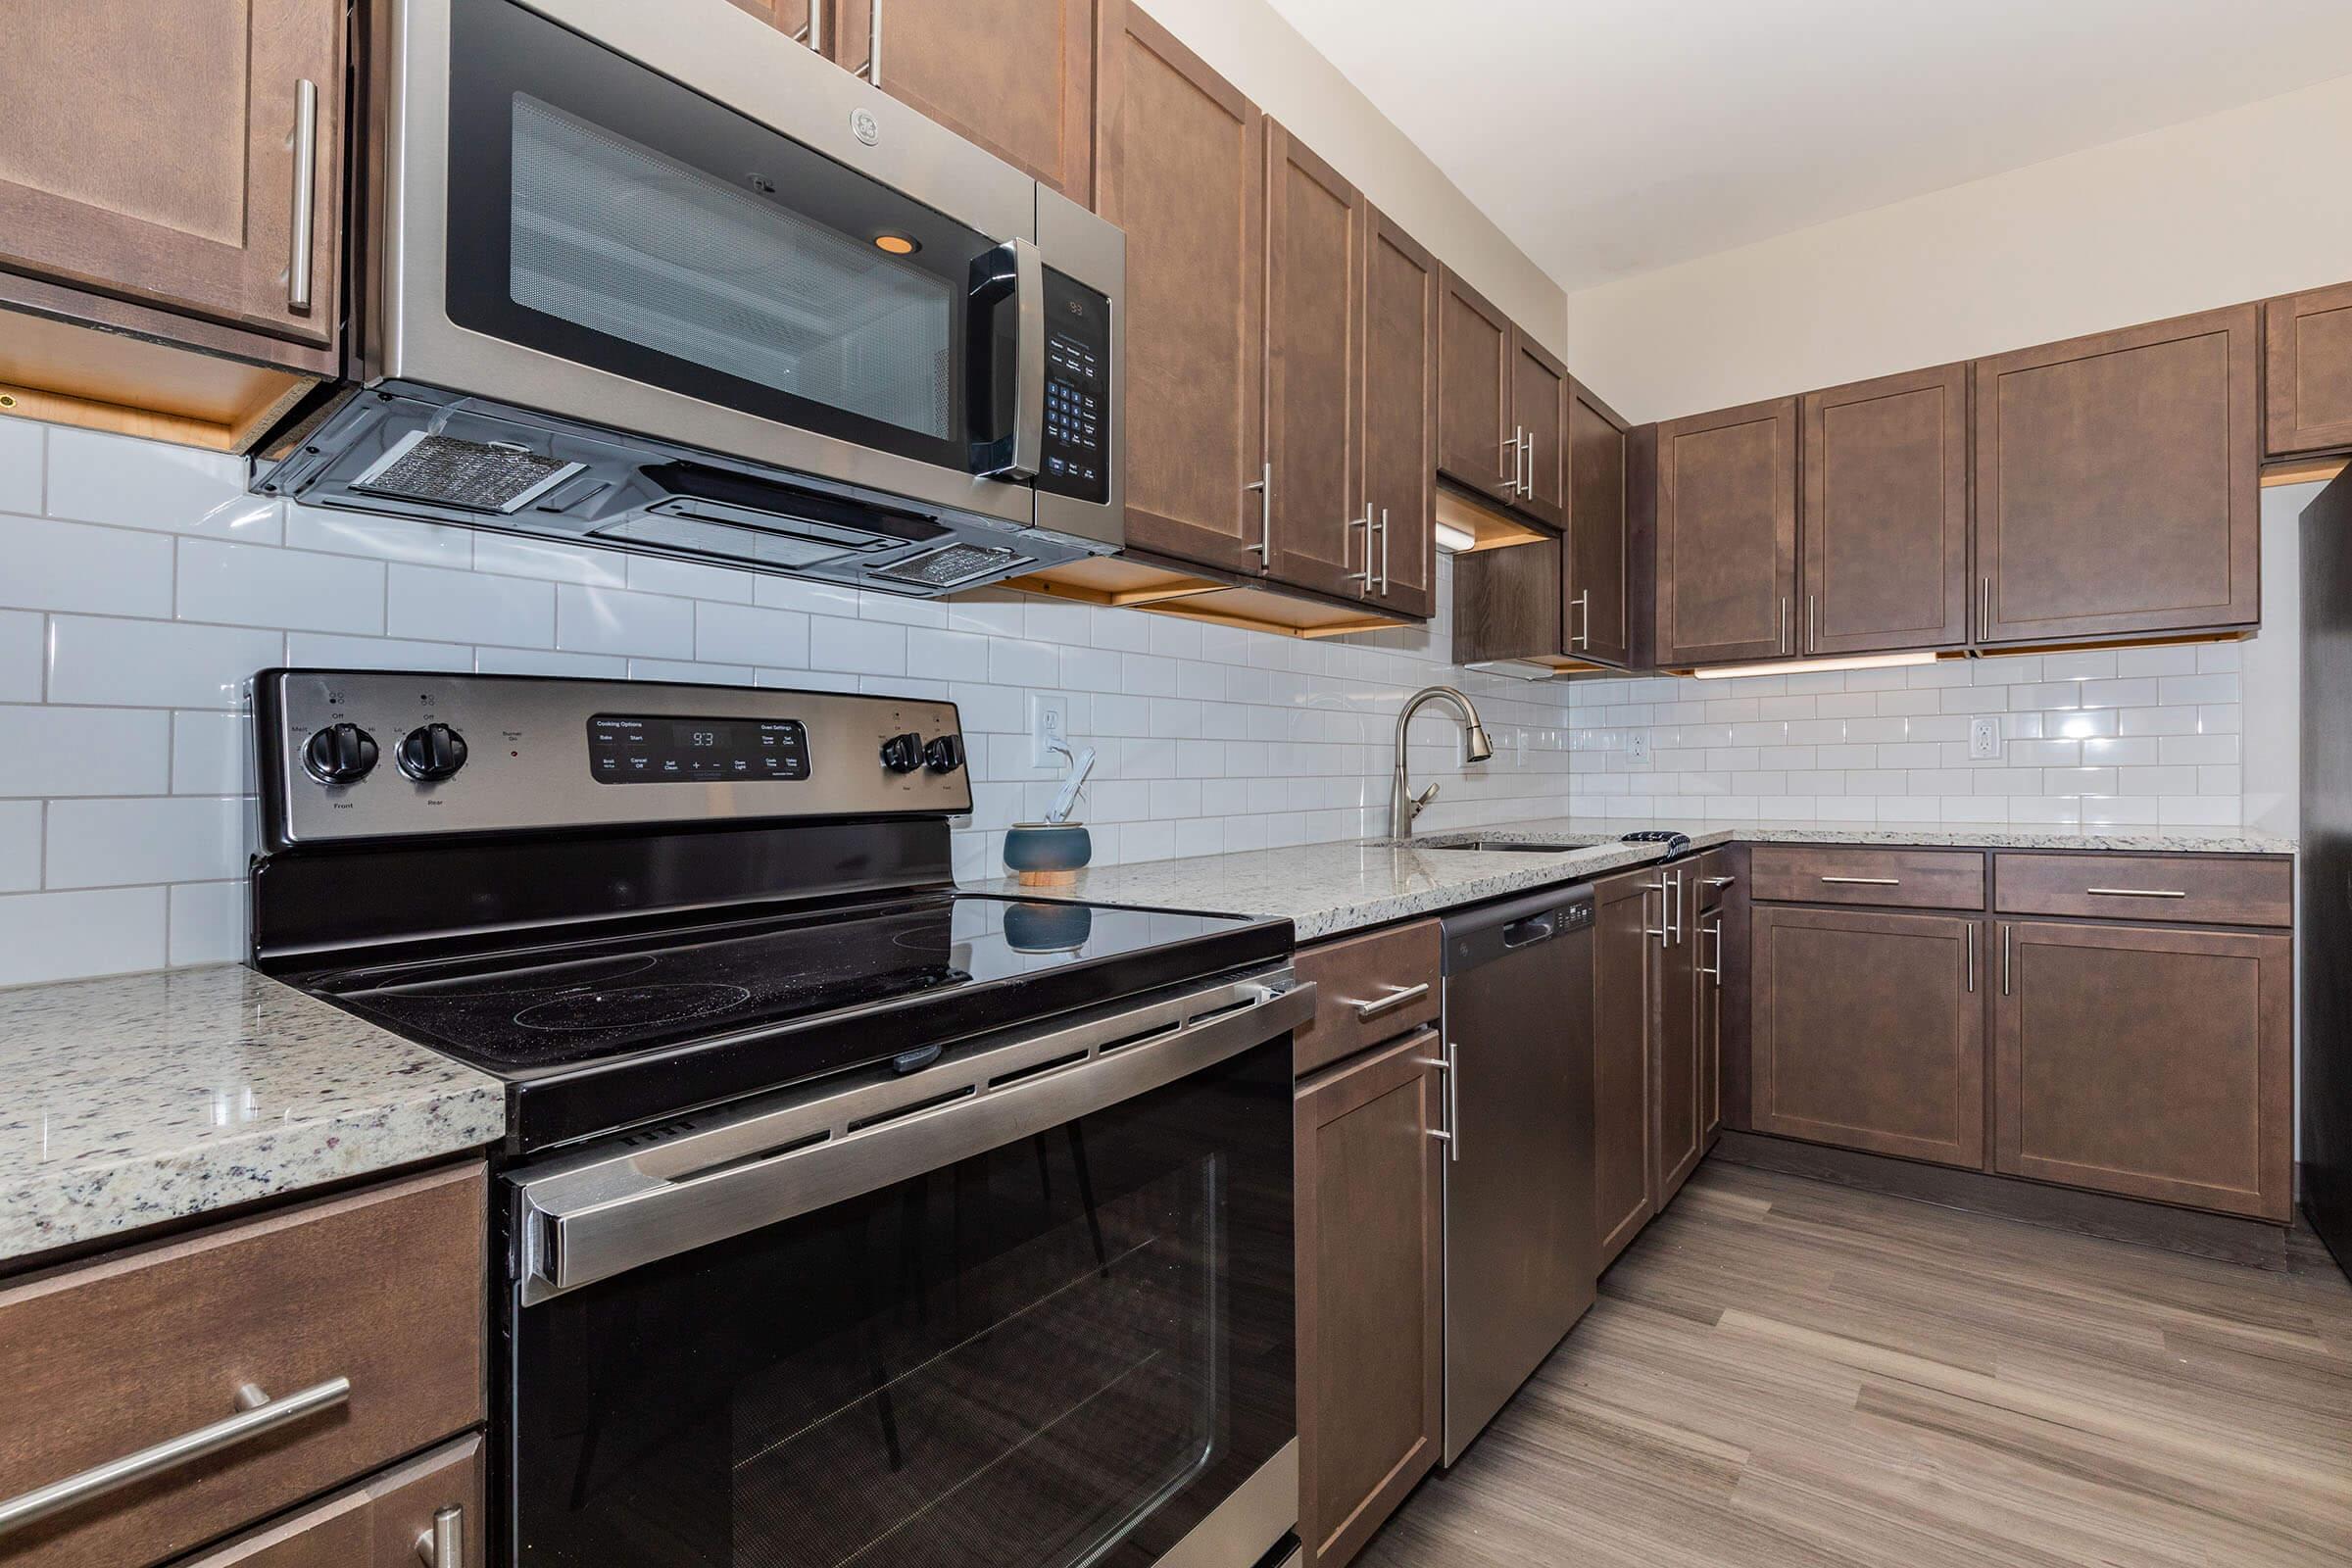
{"points": [[444, 1546], [306, 175], [2135, 893], [1397, 998], [1719, 881], [258, 1414], [1864, 881]]}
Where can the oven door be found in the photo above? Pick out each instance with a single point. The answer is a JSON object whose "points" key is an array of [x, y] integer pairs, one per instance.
{"points": [[589, 209], [1031, 1307]]}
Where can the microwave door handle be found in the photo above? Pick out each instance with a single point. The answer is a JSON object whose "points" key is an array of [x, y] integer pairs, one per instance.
{"points": [[1019, 265]]}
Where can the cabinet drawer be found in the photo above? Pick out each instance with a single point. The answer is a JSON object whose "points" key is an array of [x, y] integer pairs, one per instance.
{"points": [[1911, 879], [378, 1524], [382, 1290], [1370, 988], [2176, 888]]}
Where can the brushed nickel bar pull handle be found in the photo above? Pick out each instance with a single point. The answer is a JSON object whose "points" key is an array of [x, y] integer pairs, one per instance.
{"points": [[1453, 1100], [306, 176], [1812, 628], [872, 71], [1681, 911], [1510, 486], [1583, 620], [1972, 956], [1384, 552], [1397, 998], [444, 1546], [2136, 892], [1265, 486], [258, 1414], [1713, 928], [2005, 930], [1785, 647], [1864, 881], [1719, 881], [1984, 604], [1367, 576], [814, 34], [1659, 887]]}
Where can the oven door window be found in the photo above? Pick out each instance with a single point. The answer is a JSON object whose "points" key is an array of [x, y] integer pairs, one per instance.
{"points": [[611, 217], [1065, 1352]]}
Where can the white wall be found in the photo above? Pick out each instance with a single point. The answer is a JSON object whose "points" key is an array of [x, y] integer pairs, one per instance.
{"points": [[2252, 202], [1248, 43]]}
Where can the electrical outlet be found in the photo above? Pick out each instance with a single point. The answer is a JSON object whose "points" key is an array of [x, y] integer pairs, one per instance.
{"points": [[1049, 727], [1983, 739], [1636, 746]]}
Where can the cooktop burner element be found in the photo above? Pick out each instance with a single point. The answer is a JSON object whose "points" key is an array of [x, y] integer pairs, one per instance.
{"points": [[628, 1008], [619, 954]]}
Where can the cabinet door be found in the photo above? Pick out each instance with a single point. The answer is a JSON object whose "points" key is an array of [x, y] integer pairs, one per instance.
{"points": [[1474, 391], [1540, 414], [1321, 536], [1869, 1031], [1624, 980], [1506, 604], [1371, 1255], [148, 148], [1016, 76], [1399, 407], [2118, 483], [1727, 535], [1183, 172], [1886, 514], [1677, 1073], [2308, 370], [1595, 588], [2151, 1062]]}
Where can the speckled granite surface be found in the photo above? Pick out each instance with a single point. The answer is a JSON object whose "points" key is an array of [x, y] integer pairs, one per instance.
{"points": [[131, 1101], [1325, 889]]}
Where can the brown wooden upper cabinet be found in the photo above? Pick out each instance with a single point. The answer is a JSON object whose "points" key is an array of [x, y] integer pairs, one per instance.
{"points": [[1016, 77], [2155, 1063], [1503, 402], [2118, 484], [1884, 524], [1319, 534], [2309, 371], [1869, 1031], [1727, 535], [1399, 401], [1183, 170], [174, 153], [1597, 605], [1540, 410]]}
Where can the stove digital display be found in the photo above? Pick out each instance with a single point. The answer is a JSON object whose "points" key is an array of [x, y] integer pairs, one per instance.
{"points": [[629, 749]]}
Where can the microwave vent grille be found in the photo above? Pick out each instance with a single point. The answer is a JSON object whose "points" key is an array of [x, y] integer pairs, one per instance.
{"points": [[477, 475], [951, 565]]}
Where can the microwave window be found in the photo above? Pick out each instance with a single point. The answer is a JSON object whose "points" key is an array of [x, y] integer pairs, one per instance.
{"points": [[616, 238]]}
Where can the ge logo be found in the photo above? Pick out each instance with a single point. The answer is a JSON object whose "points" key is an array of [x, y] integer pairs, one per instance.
{"points": [[865, 126]]}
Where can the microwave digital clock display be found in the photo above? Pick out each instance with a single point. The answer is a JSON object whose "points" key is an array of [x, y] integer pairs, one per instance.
{"points": [[639, 749]]}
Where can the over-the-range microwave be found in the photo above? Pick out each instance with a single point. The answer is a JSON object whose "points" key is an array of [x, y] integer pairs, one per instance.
{"points": [[660, 278]]}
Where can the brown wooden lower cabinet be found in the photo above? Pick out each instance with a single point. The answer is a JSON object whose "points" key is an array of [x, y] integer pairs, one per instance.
{"points": [[377, 1524], [1678, 1116], [1371, 1253], [1711, 971], [2147, 1062], [1869, 1031], [1624, 1194]]}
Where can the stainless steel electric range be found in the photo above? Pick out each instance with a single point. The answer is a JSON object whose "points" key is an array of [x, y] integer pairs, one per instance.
{"points": [[843, 1217]]}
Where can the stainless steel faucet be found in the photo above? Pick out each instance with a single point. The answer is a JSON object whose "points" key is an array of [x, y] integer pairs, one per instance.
{"points": [[1403, 803]]}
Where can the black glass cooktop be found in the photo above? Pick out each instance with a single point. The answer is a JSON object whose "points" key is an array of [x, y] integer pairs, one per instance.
{"points": [[596, 1034]]}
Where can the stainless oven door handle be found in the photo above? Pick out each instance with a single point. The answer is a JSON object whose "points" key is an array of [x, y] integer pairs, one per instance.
{"points": [[589, 1220]]}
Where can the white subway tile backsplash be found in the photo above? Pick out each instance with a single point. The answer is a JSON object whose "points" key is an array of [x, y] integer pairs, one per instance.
{"points": [[21, 459], [259, 585], [361, 533], [95, 477], [211, 753], [19, 846], [59, 936], [615, 621], [23, 644], [109, 843], [746, 634], [72, 565], [330, 651], [207, 922], [509, 554], [436, 604], [546, 662], [53, 751], [155, 664]]}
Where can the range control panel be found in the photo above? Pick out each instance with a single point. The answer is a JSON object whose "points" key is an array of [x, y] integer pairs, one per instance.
{"points": [[346, 754]]}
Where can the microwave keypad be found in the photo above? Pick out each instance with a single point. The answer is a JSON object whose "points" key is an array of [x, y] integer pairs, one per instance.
{"points": [[1077, 391]]}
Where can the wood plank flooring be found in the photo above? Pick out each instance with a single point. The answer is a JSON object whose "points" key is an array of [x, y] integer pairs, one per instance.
{"points": [[1787, 1374]]}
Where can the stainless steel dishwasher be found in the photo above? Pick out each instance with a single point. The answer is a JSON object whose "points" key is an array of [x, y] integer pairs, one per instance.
{"points": [[1519, 1243]]}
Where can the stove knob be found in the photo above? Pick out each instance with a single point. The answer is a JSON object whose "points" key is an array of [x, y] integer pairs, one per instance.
{"points": [[431, 752], [340, 754], [902, 753], [944, 753]]}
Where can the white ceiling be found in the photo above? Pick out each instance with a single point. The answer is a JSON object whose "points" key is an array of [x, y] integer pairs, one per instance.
{"points": [[1608, 137]]}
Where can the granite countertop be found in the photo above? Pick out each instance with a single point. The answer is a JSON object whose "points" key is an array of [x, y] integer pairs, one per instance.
{"points": [[1326, 889], [133, 1101]]}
